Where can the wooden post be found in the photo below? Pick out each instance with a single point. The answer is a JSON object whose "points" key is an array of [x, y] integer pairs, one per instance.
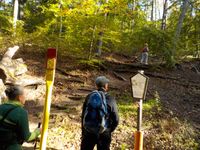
{"points": [[138, 144], [50, 74]]}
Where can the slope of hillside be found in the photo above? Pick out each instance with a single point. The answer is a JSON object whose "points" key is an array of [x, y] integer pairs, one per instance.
{"points": [[171, 109]]}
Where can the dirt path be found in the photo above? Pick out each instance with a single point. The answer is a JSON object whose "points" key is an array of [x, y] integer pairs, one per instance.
{"points": [[179, 95]]}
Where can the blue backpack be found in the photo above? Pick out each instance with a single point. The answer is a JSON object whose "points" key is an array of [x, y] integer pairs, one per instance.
{"points": [[95, 119]]}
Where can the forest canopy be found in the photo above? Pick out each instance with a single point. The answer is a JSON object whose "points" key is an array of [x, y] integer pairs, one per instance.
{"points": [[83, 27]]}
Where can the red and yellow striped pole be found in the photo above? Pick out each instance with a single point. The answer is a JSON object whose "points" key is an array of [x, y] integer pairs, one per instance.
{"points": [[50, 74]]}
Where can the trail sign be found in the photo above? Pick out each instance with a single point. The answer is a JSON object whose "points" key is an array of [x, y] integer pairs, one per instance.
{"points": [[50, 74], [139, 84]]}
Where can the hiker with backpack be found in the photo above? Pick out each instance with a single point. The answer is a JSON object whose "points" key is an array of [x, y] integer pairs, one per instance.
{"points": [[14, 126], [99, 117]]}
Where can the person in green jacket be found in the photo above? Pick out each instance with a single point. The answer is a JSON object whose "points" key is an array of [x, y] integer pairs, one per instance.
{"points": [[14, 125]]}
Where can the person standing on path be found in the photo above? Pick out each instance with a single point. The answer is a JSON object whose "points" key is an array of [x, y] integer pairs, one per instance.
{"points": [[99, 117], [145, 51], [14, 126]]}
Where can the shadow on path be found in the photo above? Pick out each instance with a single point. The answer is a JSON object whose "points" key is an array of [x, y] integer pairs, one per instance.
{"points": [[31, 148]]}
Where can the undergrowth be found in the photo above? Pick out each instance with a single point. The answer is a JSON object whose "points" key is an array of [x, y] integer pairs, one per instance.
{"points": [[161, 129]]}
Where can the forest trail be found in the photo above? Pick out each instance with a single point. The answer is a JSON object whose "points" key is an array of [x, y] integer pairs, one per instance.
{"points": [[178, 91], [116, 30]]}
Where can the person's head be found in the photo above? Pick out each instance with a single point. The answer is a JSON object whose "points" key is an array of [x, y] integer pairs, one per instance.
{"points": [[102, 83], [146, 44], [15, 92]]}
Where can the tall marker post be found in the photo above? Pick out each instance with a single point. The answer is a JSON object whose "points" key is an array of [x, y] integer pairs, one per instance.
{"points": [[139, 84], [50, 74]]}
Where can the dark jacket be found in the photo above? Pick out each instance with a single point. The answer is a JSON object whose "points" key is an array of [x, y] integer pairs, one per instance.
{"points": [[113, 116]]}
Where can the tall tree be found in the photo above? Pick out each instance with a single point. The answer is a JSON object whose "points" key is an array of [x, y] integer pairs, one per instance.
{"points": [[155, 9], [101, 33], [15, 12], [61, 18], [179, 26], [152, 8], [164, 17]]}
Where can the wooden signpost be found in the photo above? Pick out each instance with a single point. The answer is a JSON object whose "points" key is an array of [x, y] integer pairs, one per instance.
{"points": [[50, 74], [139, 84]]}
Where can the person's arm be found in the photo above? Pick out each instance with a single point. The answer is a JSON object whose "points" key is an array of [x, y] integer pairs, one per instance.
{"points": [[114, 114], [23, 125], [34, 135], [83, 110]]}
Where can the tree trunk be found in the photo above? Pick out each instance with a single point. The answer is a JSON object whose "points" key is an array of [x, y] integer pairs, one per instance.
{"points": [[134, 5], [155, 9], [100, 41], [15, 12], [179, 25], [21, 10], [3, 2], [181, 18], [163, 25], [92, 42], [152, 8], [61, 19]]}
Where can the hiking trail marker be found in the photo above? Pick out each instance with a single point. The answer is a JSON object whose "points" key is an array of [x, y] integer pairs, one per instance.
{"points": [[139, 84], [50, 74]]}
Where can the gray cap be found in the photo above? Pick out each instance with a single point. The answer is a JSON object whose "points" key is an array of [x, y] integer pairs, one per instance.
{"points": [[101, 81]]}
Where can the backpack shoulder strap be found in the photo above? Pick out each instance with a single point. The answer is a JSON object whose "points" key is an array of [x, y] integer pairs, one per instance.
{"points": [[95, 91], [102, 95], [103, 99], [7, 113]]}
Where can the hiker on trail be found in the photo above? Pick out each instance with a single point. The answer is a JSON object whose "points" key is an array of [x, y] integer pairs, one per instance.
{"points": [[145, 50], [14, 126], [99, 117]]}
